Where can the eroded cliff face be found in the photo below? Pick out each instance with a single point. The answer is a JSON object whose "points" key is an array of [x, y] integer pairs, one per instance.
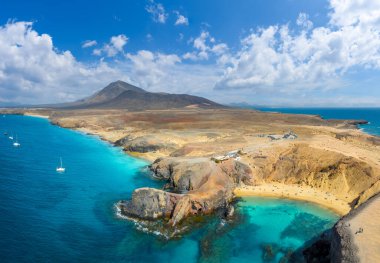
{"points": [[346, 177], [196, 185]]}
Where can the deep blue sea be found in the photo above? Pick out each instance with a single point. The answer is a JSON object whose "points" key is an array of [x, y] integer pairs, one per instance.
{"points": [[50, 217], [372, 115]]}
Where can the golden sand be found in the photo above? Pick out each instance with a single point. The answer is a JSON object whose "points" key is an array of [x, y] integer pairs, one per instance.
{"points": [[295, 192]]}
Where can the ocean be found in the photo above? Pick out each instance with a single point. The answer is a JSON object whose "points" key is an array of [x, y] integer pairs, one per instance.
{"points": [[47, 216], [372, 115]]}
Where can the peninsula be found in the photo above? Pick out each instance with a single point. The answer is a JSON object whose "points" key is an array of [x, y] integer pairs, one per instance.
{"points": [[208, 154]]}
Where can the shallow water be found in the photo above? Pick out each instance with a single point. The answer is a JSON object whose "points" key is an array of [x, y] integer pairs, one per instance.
{"points": [[69, 217]]}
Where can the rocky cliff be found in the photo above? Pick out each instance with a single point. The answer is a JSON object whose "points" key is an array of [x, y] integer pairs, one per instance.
{"points": [[348, 178], [194, 186], [356, 235]]}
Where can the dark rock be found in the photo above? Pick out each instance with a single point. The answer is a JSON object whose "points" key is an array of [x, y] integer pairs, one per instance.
{"points": [[229, 211], [269, 252], [343, 248], [150, 203], [145, 144], [318, 252], [123, 141]]}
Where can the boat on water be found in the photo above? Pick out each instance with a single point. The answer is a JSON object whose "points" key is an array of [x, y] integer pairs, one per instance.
{"points": [[16, 143], [60, 169], [11, 137]]}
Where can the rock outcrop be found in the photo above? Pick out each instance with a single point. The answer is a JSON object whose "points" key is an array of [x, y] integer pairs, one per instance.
{"points": [[143, 144], [197, 185], [150, 203]]}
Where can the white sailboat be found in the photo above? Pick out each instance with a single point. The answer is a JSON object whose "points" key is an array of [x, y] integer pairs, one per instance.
{"points": [[60, 169], [16, 143]]}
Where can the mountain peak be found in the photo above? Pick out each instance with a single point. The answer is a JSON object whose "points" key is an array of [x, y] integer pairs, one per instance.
{"points": [[122, 95], [120, 86], [111, 91]]}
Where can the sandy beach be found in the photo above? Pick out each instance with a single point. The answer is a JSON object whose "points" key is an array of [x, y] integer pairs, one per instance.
{"points": [[296, 192], [31, 114]]}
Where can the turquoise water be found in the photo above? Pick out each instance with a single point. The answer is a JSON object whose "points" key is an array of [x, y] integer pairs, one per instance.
{"points": [[69, 217], [372, 115]]}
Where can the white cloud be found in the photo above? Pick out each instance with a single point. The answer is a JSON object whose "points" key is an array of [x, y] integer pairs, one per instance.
{"points": [[204, 45], [274, 58], [89, 43], [148, 68], [33, 71], [114, 47], [164, 72], [181, 19], [303, 21], [352, 12], [274, 64], [157, 12]]}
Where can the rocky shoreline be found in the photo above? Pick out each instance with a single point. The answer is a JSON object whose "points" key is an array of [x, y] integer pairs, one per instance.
{"points": [[195, 186], [185, 149]]}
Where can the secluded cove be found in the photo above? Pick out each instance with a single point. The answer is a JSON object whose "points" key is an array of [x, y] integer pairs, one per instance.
{"points": [[69, 217]]}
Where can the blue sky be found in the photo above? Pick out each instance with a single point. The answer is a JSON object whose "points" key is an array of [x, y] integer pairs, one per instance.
{"points": [[72, 22], [277, 52]]}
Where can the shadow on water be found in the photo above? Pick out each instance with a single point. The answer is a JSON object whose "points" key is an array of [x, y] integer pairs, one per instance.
{"points": [[315, 250], [241, 239], [218, 242], [304, 225]]}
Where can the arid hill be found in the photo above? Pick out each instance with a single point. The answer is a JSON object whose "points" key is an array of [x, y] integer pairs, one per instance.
{"points": [[121, 95]]}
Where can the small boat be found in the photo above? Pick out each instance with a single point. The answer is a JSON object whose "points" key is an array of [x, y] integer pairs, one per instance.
{"points": [[60, 169], [11, 137], [16, 143], [5, 133]]}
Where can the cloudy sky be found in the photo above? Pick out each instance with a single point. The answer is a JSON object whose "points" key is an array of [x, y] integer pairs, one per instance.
{"points": [[262, 52]]}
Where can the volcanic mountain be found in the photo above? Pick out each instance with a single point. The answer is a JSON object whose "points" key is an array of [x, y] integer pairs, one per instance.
{"points": [[121, 95]]}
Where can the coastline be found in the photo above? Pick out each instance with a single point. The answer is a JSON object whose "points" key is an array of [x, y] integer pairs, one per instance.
{"points": [[30, 114], [326, 148], [287, 191], [295, 192], [89, 132], [283, 191]]}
